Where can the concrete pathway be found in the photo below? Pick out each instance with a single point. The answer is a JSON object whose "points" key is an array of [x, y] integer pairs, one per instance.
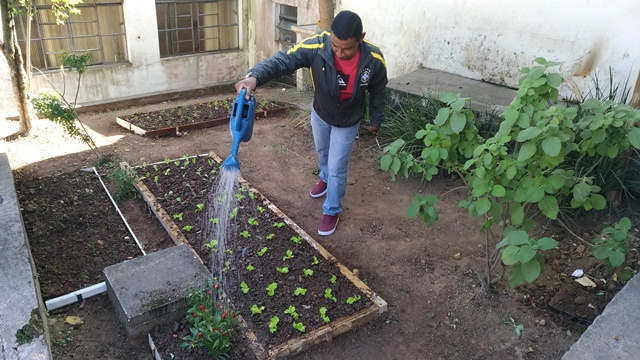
{"points": [[18, 294]]}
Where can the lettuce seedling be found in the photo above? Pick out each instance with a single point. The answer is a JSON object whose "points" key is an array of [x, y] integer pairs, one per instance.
{"points": [[323, 315], [271, 288], [273, 324], [291, 310], [255, 309], [244, 287]]}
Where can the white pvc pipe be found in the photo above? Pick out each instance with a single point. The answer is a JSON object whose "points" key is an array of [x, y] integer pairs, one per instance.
{"points": [[118, 210], [80, 295], [76, 296], [154, 350]]}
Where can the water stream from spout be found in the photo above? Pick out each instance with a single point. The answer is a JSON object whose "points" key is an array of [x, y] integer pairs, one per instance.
{"points": [[220, 213]]}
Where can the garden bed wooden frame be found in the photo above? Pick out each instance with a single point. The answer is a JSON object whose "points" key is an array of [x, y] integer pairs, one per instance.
{"points": [[176, 130], [306, 340]]}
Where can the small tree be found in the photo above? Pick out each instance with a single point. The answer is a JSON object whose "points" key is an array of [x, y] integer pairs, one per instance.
{"points": [[21, 73], [11, 52], [519, 172], [53, 105]]}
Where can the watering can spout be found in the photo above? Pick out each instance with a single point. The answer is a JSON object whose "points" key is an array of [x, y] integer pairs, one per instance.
{"points": [[243, 113]]}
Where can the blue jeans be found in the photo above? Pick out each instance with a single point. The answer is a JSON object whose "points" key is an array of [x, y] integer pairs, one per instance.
{"points": [[333, 145]]}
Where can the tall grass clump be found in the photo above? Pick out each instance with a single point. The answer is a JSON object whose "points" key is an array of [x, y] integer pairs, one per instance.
{"points": [[405, 118]]}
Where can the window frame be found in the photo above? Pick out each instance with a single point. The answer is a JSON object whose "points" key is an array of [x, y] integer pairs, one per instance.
{"points": [[39, 25], [169, 30], [284, 24]]}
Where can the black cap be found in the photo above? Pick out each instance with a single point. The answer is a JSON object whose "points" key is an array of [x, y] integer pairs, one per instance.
{"points": [[347, 25]]}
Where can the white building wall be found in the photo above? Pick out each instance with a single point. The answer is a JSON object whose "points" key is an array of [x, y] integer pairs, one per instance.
{"points": [[492, 40], [145, 73], [488, 40]]}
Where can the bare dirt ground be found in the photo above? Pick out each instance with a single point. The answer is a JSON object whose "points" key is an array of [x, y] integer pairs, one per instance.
{"points": [[436, 310]]}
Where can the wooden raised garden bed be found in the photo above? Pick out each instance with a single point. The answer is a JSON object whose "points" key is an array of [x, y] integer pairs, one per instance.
{"points": [[175, 121], [180, 205]]}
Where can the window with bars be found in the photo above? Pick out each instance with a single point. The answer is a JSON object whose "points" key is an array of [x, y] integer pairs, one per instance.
{"points": [[189, 27], [97, 29], [288, 16]]}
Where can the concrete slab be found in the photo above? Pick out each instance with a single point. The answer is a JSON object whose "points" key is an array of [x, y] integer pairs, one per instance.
{"points": [[614, 334], [151, 290], [430, 83], [19, 297]]}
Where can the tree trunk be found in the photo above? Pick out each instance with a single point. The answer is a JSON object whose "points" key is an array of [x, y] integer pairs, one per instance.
{"points": [[27, 57], [326, 14], [11, 51]]}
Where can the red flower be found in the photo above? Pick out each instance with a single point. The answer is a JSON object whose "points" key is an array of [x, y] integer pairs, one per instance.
{"points": [[233, 315], [215, 286], [213, 328], [195, 314], [200, 335], [209, 292], [207, 311], [202, 307]]}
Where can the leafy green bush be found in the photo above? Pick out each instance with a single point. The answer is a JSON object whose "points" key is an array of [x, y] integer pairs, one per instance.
{"points": [[521, 170], [613, 246]]}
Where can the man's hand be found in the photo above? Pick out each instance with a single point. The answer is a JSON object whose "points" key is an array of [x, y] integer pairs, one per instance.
{"points": [[249, 83]]}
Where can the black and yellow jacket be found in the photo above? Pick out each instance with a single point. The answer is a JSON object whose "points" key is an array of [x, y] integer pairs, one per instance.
{"points": [[315, 53]]}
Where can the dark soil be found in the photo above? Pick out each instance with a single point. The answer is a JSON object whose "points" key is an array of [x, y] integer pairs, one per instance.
{"points": [[557, 291], [74, 230]]}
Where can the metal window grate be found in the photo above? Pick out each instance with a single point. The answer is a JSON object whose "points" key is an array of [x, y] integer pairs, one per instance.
{"points": [[189, 27], [99, 29], [288, 17]]}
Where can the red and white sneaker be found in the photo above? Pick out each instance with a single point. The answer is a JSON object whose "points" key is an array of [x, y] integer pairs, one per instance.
{"points": [[319, 190], [328, 225]]}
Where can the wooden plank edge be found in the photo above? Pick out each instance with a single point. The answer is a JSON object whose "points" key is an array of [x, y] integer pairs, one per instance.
{"points": [[129, 126], [161, 215], [192, 126], [276, 111], [202, 124], [325, 333]]}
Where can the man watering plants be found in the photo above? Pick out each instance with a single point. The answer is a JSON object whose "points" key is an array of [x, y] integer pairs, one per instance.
{"points": [[343, 66]]}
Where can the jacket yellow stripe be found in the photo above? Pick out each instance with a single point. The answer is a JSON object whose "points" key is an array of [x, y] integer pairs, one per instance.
{"points": [[313, 83], [379, 57], [369, 42], [302, 44]]}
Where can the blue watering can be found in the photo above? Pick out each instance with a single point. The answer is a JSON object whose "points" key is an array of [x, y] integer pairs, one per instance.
{"points": [[243, 113]]}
